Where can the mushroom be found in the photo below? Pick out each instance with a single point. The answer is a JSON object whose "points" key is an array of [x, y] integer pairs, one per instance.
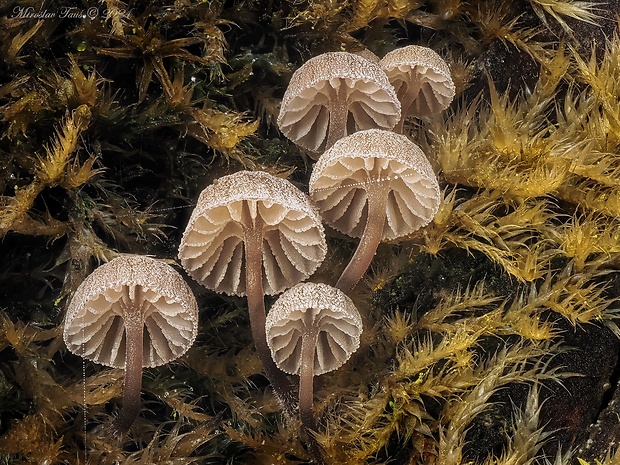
{"points": [[334, 94], [312, 329], [421, 79], [377, 185], [265, 225], [368, 55], [130, 313]]}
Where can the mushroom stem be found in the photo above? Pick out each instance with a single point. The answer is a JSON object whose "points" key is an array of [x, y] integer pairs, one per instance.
{"points": [[371, 237], [406, 96], [306, 379], [134, 328], [338, 114], [306, 389], [256, 307]]}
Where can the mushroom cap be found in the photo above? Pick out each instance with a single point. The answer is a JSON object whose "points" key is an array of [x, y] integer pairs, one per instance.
{"points": [[341, 176], [304, 116], [212, 246], [368, 55], [313, 307], [420, 70], [131, 286]]}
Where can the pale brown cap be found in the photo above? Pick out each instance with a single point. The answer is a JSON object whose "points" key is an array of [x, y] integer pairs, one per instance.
{"points": [[131, 286], [318, 308], [212, 249], [341, 175], [304, 117], [422, 72]]}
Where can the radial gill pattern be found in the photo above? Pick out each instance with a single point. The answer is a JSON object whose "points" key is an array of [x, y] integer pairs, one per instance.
{"points": [[138, 288], [345, 174], [421, 78], [244, 203], [317, 311], [330, 80]]}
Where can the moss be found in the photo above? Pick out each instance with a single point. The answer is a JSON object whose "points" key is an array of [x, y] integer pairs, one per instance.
{"points": [[422, 283], [113, 123]]}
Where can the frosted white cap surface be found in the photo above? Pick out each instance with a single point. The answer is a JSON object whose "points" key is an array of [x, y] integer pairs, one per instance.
{"points": [[131, 286], [318, 308], [370, 98], [420, 75], [212, 247], [341, 176]]}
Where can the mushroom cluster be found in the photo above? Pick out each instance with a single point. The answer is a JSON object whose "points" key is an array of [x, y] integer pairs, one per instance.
{"points": [[369, 182], [253, 234], [337, 93]]}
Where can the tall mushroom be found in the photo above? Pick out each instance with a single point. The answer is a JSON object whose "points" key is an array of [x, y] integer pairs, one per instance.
{"points": [[312, 329], [377, 185], [422, 81], [262, 224], [334, 94], [130, 313]]}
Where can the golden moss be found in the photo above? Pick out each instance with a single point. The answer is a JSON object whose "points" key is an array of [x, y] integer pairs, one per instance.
{"points": [[113, 124], [33, 439]]}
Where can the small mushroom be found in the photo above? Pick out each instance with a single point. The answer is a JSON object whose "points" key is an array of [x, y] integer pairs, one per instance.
{"points": [[130, 313], [312, 329], [262, 224], [377, 185], [421, 79], [334, 94]]}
